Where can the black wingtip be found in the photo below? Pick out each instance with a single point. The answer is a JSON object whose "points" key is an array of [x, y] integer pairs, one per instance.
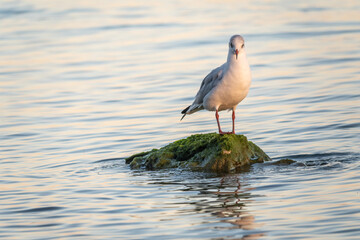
{"points": [[185, 110], [183, 117]]}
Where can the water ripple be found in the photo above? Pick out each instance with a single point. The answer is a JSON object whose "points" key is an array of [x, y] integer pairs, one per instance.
{"points": [[41, 209]]}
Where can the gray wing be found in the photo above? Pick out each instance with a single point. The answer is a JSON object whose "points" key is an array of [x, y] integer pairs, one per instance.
{"points": [[209, 82]]}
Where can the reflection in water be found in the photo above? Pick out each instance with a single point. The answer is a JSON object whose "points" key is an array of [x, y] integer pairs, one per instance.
{"points": [[227, 200], [233, 205]]}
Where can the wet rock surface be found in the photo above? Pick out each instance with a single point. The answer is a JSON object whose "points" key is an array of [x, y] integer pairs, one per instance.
{"points": [[202, 152]]}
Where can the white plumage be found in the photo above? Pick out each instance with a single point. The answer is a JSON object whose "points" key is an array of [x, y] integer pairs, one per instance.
{"points": [[225, 86]]}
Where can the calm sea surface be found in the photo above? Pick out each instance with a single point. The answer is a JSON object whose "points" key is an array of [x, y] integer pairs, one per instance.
{"points": [[84, 84]]}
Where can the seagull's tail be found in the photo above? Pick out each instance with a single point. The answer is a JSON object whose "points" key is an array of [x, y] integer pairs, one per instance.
{"points": [[184, 112], [191, 109], [183, 116]]}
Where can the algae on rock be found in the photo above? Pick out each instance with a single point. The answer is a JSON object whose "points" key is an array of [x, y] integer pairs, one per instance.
{"points": [[208, 152]]}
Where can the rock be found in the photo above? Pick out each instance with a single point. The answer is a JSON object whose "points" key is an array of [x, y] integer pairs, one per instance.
{"points": [[285, 161], [202, 152]]}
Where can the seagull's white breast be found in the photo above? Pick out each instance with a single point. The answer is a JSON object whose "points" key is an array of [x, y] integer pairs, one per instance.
{"points": [[233, 87]]}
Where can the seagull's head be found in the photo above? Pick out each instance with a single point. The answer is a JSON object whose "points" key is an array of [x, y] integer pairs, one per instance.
{"points": [[236, 45]]}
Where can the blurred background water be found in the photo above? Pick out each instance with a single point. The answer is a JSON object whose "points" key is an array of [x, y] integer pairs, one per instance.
{"points": [[84, 84]]}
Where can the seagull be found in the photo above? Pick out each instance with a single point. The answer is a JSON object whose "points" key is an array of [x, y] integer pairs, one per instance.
{"points": [[225, 86]]}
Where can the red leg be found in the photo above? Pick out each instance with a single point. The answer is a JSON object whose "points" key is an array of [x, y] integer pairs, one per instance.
{"points": [[218, 122], [233, 121]]}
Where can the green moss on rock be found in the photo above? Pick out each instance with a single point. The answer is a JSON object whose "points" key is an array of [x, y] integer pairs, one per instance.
{"points": [[205, 152]]}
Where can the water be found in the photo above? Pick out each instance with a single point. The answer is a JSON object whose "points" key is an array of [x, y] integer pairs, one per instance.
{"points": [[84, 84]]}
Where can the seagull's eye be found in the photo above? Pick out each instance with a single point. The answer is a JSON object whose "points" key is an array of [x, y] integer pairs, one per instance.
{"points": [[242, 46], [231, 45]]}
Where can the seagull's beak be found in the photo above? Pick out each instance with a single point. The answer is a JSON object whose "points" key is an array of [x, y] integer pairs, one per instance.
{"points": [[237, 53]]}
